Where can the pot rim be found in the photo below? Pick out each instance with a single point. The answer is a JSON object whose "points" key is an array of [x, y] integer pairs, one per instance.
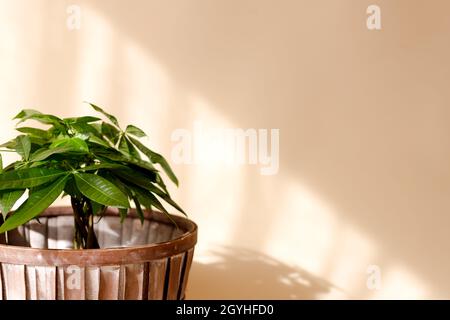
{"points": [[109, 256]]}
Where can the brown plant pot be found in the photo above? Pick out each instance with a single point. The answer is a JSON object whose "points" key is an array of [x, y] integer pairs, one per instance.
{"points": [[136, 262]]}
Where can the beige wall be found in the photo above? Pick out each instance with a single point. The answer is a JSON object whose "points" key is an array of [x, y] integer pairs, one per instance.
{"points": [[363, 115]]}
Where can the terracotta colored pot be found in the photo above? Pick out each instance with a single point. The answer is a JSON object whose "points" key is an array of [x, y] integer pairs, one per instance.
{"points": [[141, 262]]}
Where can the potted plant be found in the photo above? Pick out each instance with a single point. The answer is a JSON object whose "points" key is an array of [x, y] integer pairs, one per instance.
{"points": [[99, 248]]}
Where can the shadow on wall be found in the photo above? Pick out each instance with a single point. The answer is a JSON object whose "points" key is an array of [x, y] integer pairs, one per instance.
{"points": [[244, 274]]}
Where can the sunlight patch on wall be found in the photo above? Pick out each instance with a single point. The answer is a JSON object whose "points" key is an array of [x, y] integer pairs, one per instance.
{"points": [[96, 60], [308, 234], [305, 230], [214, 192], [17, 80], [146, 88], [349, 259], [399, 283], [118, 74]]}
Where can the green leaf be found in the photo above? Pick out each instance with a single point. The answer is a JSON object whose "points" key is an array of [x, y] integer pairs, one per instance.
{"points": [[156, 158], [23, 146], [99, 141], [132, 149], [111, 118], [37, 141], [123, 147], [160, 182], [135, 131], [139, 211], [149, 200], [7, 200], [39, 133], [99, 166], [123, 214], [86, 119], [87, 128], [28, 178], [25, 113], [1, 163], [97, 207], [29, 114], [126, 147], [110, 132], [11, 144], [108, 155], [71, 188], [97, 128], [44, 153], [11, 166], [132, 177], [71, 144], [101, 190], [39, 200]]}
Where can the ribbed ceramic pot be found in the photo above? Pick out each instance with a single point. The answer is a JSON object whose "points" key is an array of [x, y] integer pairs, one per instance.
{"points": [[149, 261]]}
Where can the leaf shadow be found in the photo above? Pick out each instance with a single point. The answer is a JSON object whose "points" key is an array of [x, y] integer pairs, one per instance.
{"points": [[240, 273]]}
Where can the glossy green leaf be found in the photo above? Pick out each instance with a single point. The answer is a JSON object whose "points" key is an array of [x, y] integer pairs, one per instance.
{"points": [[37, 141], [160, 182], [29, 114], [148, 200], [132, 149], [101, 190], [11, 144], [135, 131], [123, 214], [39, 133], [7, 200], [156, 158], [89, 129], [23, 146], [127, 148], [139, 211], [28, 178], [110, 132], [139, 180], [111, 118], [71, 188], [99, 166], [10, 166], [71, 144], [99, 141], [133, 177], [25, 113], [44, 153], [124, 158], [39, 200], [86, 119], [97, 208]]}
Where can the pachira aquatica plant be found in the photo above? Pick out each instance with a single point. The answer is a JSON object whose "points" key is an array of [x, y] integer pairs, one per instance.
{"points": [[93, 161]]}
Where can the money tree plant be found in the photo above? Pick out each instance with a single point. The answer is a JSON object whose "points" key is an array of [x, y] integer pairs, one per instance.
{"points": [[93, 161]]}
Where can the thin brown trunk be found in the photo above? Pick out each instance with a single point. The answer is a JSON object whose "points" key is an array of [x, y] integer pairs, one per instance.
{"points": [[84, 234], [92, 242]]}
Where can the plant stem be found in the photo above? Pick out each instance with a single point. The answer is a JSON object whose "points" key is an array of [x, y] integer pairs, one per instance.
{"points": [[3, 236], [84, 235], [92, 242]]}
